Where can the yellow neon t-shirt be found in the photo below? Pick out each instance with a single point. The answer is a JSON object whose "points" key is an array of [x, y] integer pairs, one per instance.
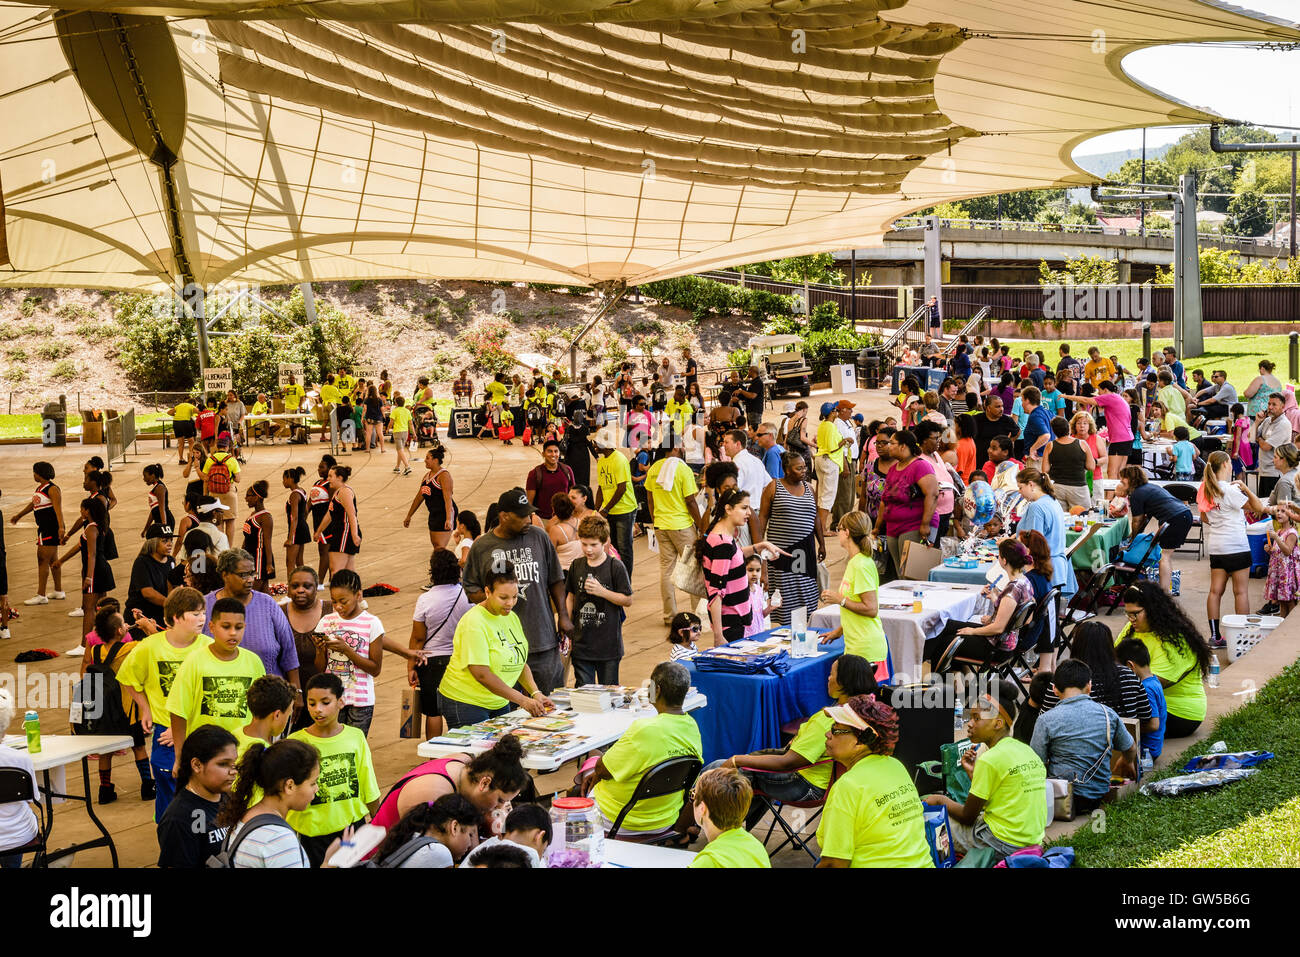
{"points": [[613, 470], [863, 636], [733, 848], [400, 417], [810, 744], [1012, 780], [292, 397], [330, 394], [647, 742], [152, 667], [346, 785], [1185, 698], [483, 638], [184, 412], [873, 817], [496, 392], [671, 513], [207, 690], [828, 442]]}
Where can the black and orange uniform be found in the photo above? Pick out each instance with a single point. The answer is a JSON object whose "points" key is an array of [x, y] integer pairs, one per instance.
{"points": [[95, 567], [338, 537], [47, 521], [299, 533], [256, 544]]}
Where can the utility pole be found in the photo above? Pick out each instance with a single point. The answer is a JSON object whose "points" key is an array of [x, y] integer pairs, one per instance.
{"points": [[1293, 157], [1142, 229], [853, 284]]}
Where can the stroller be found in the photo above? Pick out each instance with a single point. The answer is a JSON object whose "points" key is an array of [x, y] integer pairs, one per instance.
{"points": [[425, 421]]}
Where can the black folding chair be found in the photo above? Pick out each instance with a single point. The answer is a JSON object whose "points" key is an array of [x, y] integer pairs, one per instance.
{"points": [[666, 777], [1081, 607], [17, 785], [1125, 573], [1044, 615], [793, 836], [952, 658], [1186, 494]]}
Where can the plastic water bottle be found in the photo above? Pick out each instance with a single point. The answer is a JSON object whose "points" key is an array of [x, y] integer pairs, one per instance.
{"points": [[1214, 671], [917, 596], [958, 725], [32, 725]]}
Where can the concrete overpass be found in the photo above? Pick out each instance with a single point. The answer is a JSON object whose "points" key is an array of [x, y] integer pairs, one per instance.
{"points": [[992, 253]]}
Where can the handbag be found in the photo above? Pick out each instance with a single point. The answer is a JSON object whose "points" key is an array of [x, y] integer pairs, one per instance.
{"points": [[506, 433], [1136, 550], [688, 575]]}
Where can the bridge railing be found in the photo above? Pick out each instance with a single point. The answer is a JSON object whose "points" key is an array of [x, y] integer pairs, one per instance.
{"points": [[1089, 229]]}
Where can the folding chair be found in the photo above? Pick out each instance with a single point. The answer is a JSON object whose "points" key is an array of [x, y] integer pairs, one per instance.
{"points": [[951, 656], [1125, 574], [666, 777], [1044, 615], [1186, 494], [774, 806], [17, 785]]}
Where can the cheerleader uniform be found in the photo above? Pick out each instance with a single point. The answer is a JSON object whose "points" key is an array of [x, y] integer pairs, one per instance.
{"points": [[339, 537], [431, 489], [47, 522], [254, 544], [95, 567], [301, 533], [160, 514], [106, 533], [320, 498]]}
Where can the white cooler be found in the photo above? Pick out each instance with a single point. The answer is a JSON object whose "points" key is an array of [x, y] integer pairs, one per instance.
{"points": [[844, 379], [1244, 632]]}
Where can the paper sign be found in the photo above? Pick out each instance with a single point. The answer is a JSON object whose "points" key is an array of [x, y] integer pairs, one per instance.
{"points": [[218, 380], [289, 369], [367, 372]]}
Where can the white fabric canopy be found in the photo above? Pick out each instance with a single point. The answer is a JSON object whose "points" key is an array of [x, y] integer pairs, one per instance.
{"points": [[146, 144]]}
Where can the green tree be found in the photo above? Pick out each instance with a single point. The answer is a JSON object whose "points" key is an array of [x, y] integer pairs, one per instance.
{"points": [[1083, 271], [1248, 215], [1218, 266], [1022, 206], [816, 268]]}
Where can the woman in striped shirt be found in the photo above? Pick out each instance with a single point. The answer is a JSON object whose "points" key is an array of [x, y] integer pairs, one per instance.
{"points": [[723, 562]]}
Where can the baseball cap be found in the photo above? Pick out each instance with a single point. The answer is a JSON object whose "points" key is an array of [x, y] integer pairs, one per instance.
{"points": [[858, 418], [844, 404], [828, 408], [159, 531], [788, 409], [516, 501]]}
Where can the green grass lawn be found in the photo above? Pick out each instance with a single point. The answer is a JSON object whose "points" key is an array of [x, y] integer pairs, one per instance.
{"points": [[29, 426], [1251, 823], [1238, 355]]}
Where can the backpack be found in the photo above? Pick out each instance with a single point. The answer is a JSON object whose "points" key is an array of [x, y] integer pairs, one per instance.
{"points": [[402, 854], [219, 475], [226, 856], [97, 697]]}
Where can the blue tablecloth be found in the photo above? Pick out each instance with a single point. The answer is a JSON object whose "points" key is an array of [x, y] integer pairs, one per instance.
{"points": [[745, 712], [961, 576]]}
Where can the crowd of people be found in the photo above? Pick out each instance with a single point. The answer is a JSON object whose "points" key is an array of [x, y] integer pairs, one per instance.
{"points": [[251, 700]]}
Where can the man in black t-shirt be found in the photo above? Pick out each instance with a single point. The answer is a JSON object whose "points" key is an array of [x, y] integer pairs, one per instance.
{"points": [[688, 367], [989, 423], [751, 394]]}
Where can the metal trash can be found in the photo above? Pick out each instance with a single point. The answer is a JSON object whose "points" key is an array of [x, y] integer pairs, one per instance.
{"points": [[54, 425], [868, 363]]}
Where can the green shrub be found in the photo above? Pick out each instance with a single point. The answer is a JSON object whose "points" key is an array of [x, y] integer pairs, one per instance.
{"points": [[157, 348], [65, 370], [17, 355], [74, 310], [817, 348], [94, 330], [29, 306], [485, 342], [15, 374], [739, 359], [442, 367], [356, 285], [826, 317], [53, 349]]}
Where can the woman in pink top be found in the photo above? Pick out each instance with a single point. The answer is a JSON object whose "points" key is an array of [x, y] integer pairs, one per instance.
{"points": [[910, 497], [722, 560], [1119, 425], [928, 433]]}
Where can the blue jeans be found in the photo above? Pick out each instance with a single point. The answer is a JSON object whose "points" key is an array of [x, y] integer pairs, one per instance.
{"points": [[458, 714], [10, 861], [620, 533], [595, 672], [161, 759]]}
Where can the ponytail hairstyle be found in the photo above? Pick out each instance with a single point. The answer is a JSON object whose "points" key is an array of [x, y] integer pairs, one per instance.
{"points": [[1213, 490], [328, 460], [1035, 477], [860, 530], [344, 472], [203, 744], [881, 734], [1014, 554], [269, 769], [346, 579], [107, 623], [261, 489], [153, 470], [726, 500], [679, 630], [1040, 551], [501, 764], [98, 513], [429, 816], [295, 473]]}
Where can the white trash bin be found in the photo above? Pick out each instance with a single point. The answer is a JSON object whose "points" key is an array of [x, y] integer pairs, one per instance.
{"points": [[1244, 632], [844, 379]]}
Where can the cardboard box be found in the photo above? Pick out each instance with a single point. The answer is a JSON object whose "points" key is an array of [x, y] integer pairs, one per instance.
{"points": [[92, 433]]}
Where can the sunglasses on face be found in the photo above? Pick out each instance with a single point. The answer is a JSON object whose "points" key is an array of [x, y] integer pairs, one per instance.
{"points": [[839, 731]]}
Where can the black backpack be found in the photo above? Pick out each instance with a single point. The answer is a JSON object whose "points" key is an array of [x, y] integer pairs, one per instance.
{"points": [[402, 854], [97, 697], [226, 856]]}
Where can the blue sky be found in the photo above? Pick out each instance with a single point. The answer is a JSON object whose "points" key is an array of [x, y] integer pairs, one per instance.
{"points": [[1257, 86]]}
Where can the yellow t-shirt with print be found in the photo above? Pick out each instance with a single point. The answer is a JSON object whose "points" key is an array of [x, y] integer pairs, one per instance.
{"points": [[828, 442], [647, 742], [496, 393], [873, 817], [152, 668], [483, 638], [346, 784], [810, 744], [207, 690], [1185, 698], [1012, 781], [735, 847], [293, 397], [330, 394]]}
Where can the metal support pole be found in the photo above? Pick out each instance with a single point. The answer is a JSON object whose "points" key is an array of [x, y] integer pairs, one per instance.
{"points": [[1189, 337], [853, 285], [308, 302], [194, 296], [616, 294], [1293, 356], [1293, 210]]}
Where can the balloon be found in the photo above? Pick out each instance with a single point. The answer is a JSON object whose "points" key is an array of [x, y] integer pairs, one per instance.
{"points": [[1010, 504], [980, 504]]}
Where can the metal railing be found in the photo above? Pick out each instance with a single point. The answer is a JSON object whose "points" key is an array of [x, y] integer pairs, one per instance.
{"points": [[899, 335], [1089, 229], [119, 432], [968, 329]]}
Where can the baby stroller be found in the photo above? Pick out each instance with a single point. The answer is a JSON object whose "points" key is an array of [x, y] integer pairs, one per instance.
{"points": [[425, 421]]}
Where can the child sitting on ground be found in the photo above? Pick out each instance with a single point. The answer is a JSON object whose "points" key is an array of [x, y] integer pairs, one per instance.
{"points": [[1137, 656]]}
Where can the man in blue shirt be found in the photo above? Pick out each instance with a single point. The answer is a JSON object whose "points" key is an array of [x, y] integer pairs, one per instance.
{"points": [[1036, 371], [1176, 367], [769, 451], [1074, 739], [1038, 424]]}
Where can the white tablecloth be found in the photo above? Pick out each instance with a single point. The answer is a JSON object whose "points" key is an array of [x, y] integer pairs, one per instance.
{"points": [[905, 631], [631, 854]]}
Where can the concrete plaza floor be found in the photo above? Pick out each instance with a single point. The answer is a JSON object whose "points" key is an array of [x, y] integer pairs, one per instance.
{"points": [[398, 556]]}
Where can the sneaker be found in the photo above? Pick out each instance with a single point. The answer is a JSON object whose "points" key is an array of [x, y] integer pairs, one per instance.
{"points": [[147, 790], [396, 469], [77, 651], [407, 472], [58, 595], [1218, 643], [37, 600], [107, 794], [4, 634], [76, 613]]}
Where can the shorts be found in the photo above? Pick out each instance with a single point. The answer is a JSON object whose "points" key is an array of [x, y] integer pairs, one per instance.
{"points": [[137, 735], [828, 482], [229, 500], [1120, 448], [357, 716], [430, 676], [183, 428], [1237, 561], [1176, 532]]}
